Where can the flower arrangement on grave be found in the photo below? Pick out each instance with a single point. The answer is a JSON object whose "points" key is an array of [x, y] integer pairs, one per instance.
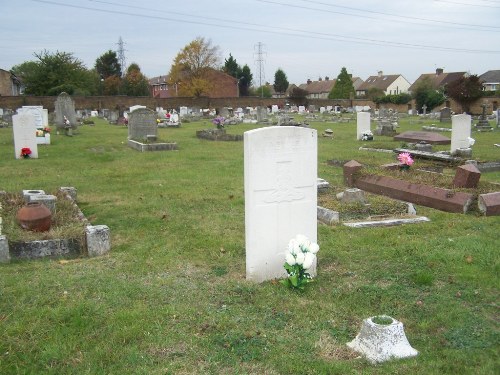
{"points": [[406, 161], [25, 152], [367, 136], [219, 122], [299, 258], [42, 132]]}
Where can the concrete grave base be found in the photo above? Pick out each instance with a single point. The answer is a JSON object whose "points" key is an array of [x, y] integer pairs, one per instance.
{"points": [[380, 342], [151, 146]]}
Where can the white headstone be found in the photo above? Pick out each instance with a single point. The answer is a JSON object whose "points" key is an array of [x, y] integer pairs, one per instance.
{"points": [[24, 128], [36, 111], [498, 117], [460, 131], [94, 113], [134, 107], [174, 118], [322, 109], [363, 124], [280, 196], [183, 111], [302, 109], [274, 108]]}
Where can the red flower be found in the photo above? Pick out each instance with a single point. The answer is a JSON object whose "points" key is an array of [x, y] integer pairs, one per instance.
{"points": [[25, 152]]}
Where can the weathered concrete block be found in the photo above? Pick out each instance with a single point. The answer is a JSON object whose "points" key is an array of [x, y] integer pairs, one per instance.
{"points": [[44, 248], [489, 204], [467, 176], [441, 199], [27, 194], [71, 191], [353, 195], [48, 200], [350, 169], [327, 216], [4, 250], [98, 240]]}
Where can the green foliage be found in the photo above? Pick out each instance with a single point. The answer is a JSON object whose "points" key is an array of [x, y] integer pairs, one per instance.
{"points": [[245, 80], [263, 91], [297, 278], [374, 94], [425, 94], [465, 91], [402, 98], [280, 81], [107, 65], [297, 92], [134, 82], [343, 88], [52, 72], [231, 67]]}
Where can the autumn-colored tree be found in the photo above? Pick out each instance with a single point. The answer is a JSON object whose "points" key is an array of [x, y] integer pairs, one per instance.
{"points": [[189, 71], [112, 85]]}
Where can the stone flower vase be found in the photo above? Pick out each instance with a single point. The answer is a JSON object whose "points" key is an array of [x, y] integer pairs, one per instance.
{"points": [[382, 342], [35, 216]]}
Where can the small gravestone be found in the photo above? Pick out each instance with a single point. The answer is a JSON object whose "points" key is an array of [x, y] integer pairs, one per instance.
{"points": [[183, 111], [113, 117], [460, 132], [280, 196], [134, 107], [224, 112], [498, 117], [24, 128], [141, 124], [428, 137], [445, 115], [363, 124], [483, 124], [424, 109], [262, 114], [311, 108], [65, 106]]}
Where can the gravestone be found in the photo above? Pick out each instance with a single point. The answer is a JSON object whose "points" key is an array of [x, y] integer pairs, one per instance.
{"points": [[460, 132], [224, 112], [134, 107], [113, 117], [302, 109], [280, 196], [36, 111], [445, 115], [142, 125], [483, 124], [65, 106], [363, 124], [183, 111], [262, 114], [274, 108], [428, 137], [424, 108], [311, 108], [24, 128]]}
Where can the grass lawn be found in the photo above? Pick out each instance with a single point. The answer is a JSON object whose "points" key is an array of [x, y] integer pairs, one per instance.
{"points": [[171, 296]]}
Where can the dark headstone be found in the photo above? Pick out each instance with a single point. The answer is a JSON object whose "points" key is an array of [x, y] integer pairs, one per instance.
{"points": [[489, 204], [445, 115], [427, 137], [65, 106], [350, 169], [141, 124], [467, 176]]}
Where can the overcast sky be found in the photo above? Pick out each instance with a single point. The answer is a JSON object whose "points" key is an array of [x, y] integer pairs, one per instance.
{"points": [[305, 38]]}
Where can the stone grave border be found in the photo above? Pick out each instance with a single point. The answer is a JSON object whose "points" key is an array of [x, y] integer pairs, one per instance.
{"points": [[218, 135], [139, 146], [96, 240], [438, 198]]}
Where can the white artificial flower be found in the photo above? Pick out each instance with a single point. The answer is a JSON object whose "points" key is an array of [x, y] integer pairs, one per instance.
{"points": [[301, 239], [299, 259], [471, 141], [290, 259], [292, 246], [308, 260], [314, 248]]}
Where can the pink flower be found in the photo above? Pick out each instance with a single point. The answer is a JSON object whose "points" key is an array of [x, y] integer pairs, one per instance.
{"points": [[405, 158]]}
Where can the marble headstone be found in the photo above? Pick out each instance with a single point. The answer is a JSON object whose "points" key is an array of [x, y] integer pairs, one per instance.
{"points": [[460, 132], [363, 124], [24, 128], [280, 196]]}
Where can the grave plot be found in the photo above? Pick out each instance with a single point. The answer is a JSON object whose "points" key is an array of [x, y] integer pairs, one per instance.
{"points": [[143, 131], [69, 234]]}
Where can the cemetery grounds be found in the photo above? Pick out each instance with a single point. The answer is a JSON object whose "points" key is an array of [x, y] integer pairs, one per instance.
{"points": [[171, 296]]}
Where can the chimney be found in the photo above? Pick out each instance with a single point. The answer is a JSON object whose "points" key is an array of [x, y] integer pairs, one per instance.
{"points": [[439, 71], [327, 78], [380, 73], [309, 81]]}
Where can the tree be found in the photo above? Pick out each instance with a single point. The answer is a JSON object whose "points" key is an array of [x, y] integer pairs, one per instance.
{"points": [[191, 65], [134, 82], [343, 88], [465, 91], [245, 80], [425, 94], [53, 73], [374, 94], [231, 67], [263, 91], [280, 82], [107, 65]]}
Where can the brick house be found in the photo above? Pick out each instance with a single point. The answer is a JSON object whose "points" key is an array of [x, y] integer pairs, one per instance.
{"points": [[491, 80], [321, 88], [439, 79], [391, 84], [223, 86], [10, 85]]}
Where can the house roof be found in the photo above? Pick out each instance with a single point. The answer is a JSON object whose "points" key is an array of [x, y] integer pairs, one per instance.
{"points": [[318, 87], [438, 79], [382, 81], [158, 80], [491, 76]]}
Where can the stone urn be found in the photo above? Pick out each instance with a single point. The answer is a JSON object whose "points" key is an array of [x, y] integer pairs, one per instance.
{"points": [[35, 216], [382, 342]]}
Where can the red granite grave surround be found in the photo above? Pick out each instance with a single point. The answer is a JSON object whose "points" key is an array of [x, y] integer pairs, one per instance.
{"points": [[350, 169], [467, 176], [489, 204]]}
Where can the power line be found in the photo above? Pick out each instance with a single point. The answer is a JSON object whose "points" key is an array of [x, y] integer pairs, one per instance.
{"points": [[469, 4], [302, 33], [406, 18]]}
